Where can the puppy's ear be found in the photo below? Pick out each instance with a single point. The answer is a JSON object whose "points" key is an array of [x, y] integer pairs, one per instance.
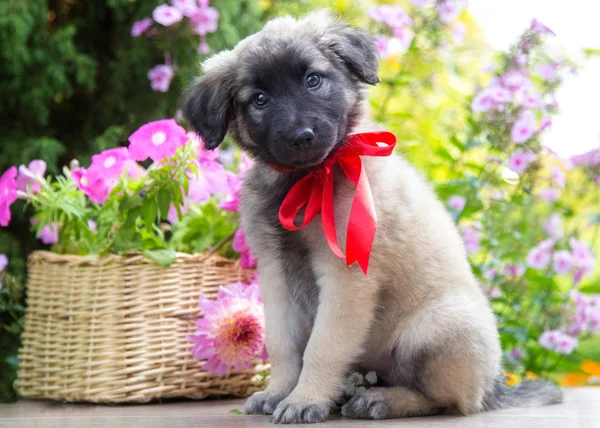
{"points": [[208, 105], [357, 50]]}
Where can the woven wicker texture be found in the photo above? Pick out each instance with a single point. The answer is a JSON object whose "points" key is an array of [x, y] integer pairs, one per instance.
{"points": [[113, 329]]}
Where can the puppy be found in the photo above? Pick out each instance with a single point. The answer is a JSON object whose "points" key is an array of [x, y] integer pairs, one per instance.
{"points": [[289, 96]]}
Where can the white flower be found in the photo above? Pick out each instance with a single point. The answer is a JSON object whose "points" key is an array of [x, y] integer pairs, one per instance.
{"points": [[371, 377]]}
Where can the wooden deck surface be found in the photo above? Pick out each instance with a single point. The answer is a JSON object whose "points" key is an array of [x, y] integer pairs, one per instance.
{"points": [[581, 409]]}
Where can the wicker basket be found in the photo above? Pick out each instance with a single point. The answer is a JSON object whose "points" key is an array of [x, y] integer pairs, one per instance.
{"points": [[113, 329]]}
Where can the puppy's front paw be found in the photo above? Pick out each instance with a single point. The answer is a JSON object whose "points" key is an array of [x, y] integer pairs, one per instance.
{"points": [[368, 405], [291, 411], [262, 403]]}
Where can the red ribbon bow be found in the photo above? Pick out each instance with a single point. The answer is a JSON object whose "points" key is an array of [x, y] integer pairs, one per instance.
{"points": [[315, 191]]}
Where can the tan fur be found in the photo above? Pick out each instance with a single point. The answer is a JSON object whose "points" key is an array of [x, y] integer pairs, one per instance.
{"points": [[419, 305]]}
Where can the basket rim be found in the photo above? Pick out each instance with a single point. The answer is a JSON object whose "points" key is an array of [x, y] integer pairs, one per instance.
{"points": [[101, 260]]}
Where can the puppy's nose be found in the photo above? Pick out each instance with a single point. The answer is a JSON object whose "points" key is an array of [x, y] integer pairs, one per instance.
{"points": [[303, 137]]}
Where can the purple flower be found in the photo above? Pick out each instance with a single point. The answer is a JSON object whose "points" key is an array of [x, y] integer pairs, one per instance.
{"points": [[527, 97], [553, 226], [538, 27], [450, 9], [545, 123], [92, 226], [524, 127], [483, 101], [139, 27], [8, 194], [31, 176], [156, 140], [583, 258], [558, 341], [514, 271], [3, 262], [187, 7], [538, 258], [515, 80], [563, 262], [558, 176], [517, 353], [459, 30], [381, 42], [247, 260], [160, 77], [49, 234], [457, 202], [400, 42], [519, 160], [546, 71], [549, 194], [471, 238], [205, 20], [231, 200], [421, 3], [521, 60], [167, 15], [203, 48], [591, 158], [490, 274]]}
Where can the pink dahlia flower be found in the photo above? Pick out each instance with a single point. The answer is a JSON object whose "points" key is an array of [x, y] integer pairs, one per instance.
{"points": [[232, 332]]}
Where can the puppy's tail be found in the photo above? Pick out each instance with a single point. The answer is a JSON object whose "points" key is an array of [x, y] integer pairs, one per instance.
{"points": [[525, 394]]}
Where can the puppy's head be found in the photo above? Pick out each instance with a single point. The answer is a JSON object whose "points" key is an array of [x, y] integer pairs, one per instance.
{"points": [[289, 94]]}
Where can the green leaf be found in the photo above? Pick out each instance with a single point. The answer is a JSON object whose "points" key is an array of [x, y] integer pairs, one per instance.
{"points": [[236, 412], [164, 202], [164, 257], [149, 211]]}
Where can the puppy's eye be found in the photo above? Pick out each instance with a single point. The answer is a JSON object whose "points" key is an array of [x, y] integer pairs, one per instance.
{"points": [[313, 80], [260, 99]]}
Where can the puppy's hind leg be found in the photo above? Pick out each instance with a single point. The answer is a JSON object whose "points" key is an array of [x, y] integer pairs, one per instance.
{"points": [[389, 403]]}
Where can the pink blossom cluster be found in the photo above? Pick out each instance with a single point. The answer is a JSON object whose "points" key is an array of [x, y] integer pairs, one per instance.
{"points": [[558, 341], [399, 22], [457, 202], [231, 332], [578, 260], [203, 19], [586, 318]]}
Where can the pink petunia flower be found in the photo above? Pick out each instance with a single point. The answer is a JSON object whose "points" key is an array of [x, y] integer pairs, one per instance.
{"points": [[3, 262], [156, 140], [187, 7], [547, 71], [110, 163], [457, 202], [483, 101], [400, 42], [558, 176], [449, 10], [421, 3], [521, 60], [524, 127], [549, 194], [538, 27], [133, 169], [93, 184], [514, 271], [558, 341], [538, 258], [231, 332], [205, 20], [8, 194], [167, 15], [553, 226], [231, 199], [562, 262], [527, 97], [239, 244], [139, 27], [160, 77], [519, 160], [49, 234], [591, 158], [31, 176]]}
